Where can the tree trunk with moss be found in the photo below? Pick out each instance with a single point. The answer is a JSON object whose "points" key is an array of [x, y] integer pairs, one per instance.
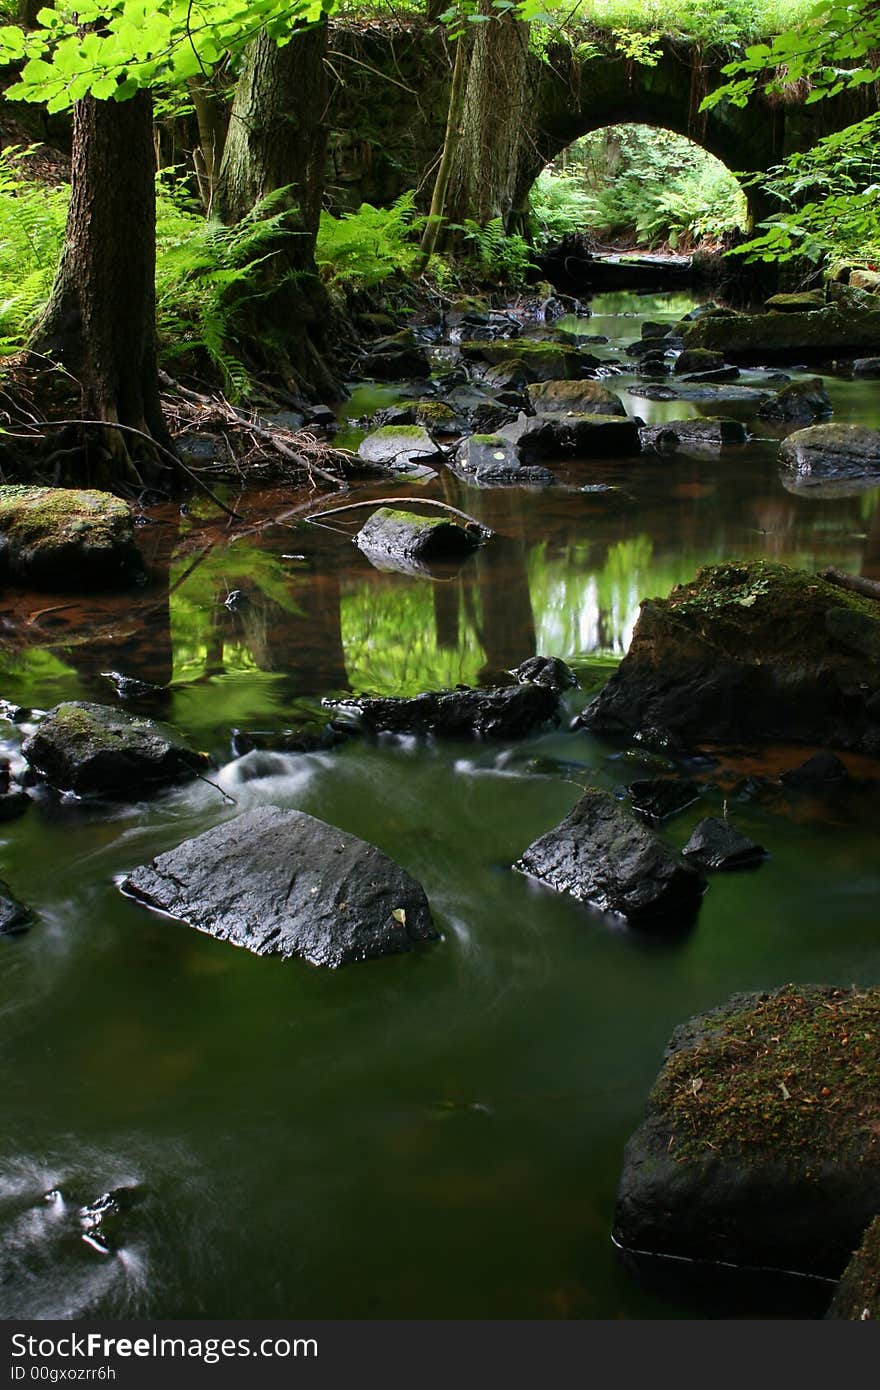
{"points": [[277, 138], [483, 180], [100, 323]]}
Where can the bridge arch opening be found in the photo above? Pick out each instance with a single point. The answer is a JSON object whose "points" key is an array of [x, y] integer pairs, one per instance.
{"points": [[634, 186]]}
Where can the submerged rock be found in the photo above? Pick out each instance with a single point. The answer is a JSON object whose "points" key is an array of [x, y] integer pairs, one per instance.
{"points": [[14, 916], [858, 1293], [831, 453], [67, 538], [492, 459], [761, 1142], [751, 651], [802, 400], [575, 397], [601, 855], [283, 883], [397, 535], [498, 712], [716, 844], [822, 772], [104, 751]]}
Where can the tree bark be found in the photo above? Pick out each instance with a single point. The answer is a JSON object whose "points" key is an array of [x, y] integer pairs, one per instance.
{"points": [[277, 139], [211, 120], [434, 224], [100, 322], [482, 183]]}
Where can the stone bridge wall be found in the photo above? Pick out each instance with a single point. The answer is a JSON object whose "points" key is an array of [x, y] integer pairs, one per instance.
{"points": [[388, 110]]}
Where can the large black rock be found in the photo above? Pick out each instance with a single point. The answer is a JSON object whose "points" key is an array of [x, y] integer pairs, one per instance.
{"points": [[601, 855], [761, 1141], [103, 751], [14, 916], [283, 883], [497, 712]]}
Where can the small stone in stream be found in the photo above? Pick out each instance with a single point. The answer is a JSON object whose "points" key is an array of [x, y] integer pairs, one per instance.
{"points": [[397, 447], [755, 789], [602, 855], [659, 798], [546, 670], [652, 329], [14, 916], [309, 737], [866, 367], [559, 436], [801, 400], [322, 416], [491, 415], [283, 883], [832, 453], [104, 751], [130, 688], [822, 771], [494, 461], [400, 535], [698, 360], [716, 844], [503, 712], [574, 397], [714, 430], [101, 1221]]}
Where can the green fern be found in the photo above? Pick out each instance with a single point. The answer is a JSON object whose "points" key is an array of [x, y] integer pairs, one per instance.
{"points": [[363, 248], [499, 256]]}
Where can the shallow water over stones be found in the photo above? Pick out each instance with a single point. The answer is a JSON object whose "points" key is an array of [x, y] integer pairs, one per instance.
{"points": [[438, 1133]]}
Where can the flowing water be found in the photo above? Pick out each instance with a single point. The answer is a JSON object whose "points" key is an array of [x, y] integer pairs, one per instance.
{"points": [[437, 1134]]}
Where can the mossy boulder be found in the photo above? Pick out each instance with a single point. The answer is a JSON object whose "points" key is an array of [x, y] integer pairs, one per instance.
{"points": [[540, 361], [845, 326], [492, 460], [803, 302], [580, 397], [392, 536], [697, 360], [800, 400], [67, 538], [761, 1141], [97, 750], [823, 454], [398, 447], [751, 651], [858, 1293], [571, 435]]}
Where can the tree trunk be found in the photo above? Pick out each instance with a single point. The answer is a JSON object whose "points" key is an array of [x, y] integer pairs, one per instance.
{"points": [[277, 138], [482, 184], [434, 224], [100, 322], [211, 119]]}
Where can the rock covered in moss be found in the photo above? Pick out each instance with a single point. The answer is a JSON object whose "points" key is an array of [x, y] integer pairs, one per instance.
{"points": [[697, 360], [100, 750], [802, 302], [398, 447], [601, 855], [751, 651], [858, 1294], [493, 460], [67, 538], [540, 361], [396, 535], [577, 397], [283, 883], [845, 326], [824, 454], [801, 400], [761, 1141]]}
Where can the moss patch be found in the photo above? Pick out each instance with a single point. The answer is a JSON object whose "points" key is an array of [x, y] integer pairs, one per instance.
{"points": [[858, 1295], [790, 1075]]}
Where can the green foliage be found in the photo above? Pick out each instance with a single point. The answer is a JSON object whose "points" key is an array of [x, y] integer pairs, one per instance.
{"points": [[652, 187], [32, 221], [560, 204], [364, 248], [498, 256], [830, 198]]}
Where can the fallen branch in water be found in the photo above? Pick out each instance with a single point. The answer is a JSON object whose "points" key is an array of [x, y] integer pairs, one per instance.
{"points": [[393, 501], [869, 588]]}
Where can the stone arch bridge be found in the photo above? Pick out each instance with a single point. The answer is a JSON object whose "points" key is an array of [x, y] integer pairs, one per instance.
{"points": [[388, 110]]}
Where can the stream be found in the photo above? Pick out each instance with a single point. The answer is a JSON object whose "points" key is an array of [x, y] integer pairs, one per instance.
{"points": [[438, 1134]]}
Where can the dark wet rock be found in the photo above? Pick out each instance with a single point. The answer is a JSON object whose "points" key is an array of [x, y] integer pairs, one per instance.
{"points": [[802, 400], [321, 417], [492, 415], [822, 772], [130, 688], [395, 535], [657, 799], [832, 453], [700, 391], [493, 460], [392, 360], [104, 751], [14, 916], [653, 367], [648, 347], [542, 361], [802, 302], [103, 1221], [698, 360], [283, 883], [67, 538], [576, 339], [551, 671], [574, 397], [507, 376], [751, 651], [13, 803], [602, 855], [652, 329], [797, 337], [857, 1298], [398, 447], [503, 712], [311, 736], [866, 367], [716, 844], [755, 789], [761, 1141], [713, 430], [572, 436]]}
